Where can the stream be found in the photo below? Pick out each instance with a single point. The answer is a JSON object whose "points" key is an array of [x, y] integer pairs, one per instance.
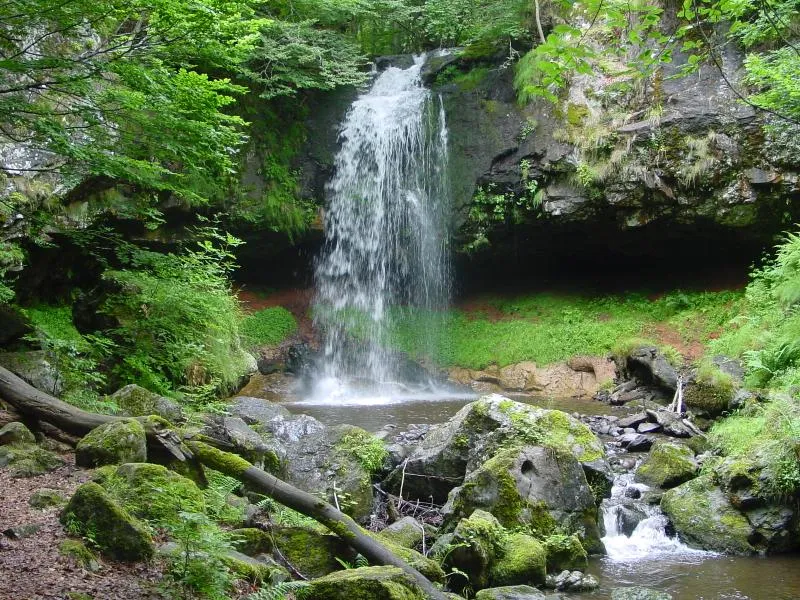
{"points": [[648, 557]]}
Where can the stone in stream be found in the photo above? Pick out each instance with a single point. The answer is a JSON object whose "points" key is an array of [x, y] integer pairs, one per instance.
{"points": [[479, 431], [572, 581], [668, 464], [534, 487], [636, 442], [510, 592], [638, 593], [648, 428], [633, 420]]}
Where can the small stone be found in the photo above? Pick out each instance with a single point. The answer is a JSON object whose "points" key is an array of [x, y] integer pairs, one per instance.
{"points": [[648, 428], [636, 442], [19, 532]]}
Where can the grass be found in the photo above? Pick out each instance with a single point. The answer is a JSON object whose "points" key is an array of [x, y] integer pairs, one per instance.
{"points": [[548, 328], [268, 327]]}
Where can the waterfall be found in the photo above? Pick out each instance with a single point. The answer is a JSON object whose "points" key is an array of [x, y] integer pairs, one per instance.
{"points": [[636, 530], [385, 245]]}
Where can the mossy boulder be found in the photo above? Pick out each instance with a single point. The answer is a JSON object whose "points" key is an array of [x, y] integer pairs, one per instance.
{"points": [[257, 570], [703, 517], [565, 552], [479, 431], [510, 592], [93, 513], [136, 401], [45, 498], [16, 433], [534, 487], [523, 561], [311, 552], [406, 532], [28, 460], [428, 567], [152, 492], [668, 464], [112, 443], [366, 583], [252, 541], [474, 547]]}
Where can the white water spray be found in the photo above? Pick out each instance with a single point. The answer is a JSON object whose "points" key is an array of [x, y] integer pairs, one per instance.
{"points": [[385, 229]]}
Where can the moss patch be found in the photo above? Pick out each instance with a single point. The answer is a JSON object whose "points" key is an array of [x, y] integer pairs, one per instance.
{"points": [[523, 560], [668, 465], [565, 552], [366, 583], [28, 460]]}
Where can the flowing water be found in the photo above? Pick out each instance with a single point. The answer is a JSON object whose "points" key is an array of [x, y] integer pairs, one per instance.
{"points": [[385, 231]]}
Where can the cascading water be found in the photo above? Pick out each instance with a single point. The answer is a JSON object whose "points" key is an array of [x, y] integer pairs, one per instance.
{"points": [[385, 228]]}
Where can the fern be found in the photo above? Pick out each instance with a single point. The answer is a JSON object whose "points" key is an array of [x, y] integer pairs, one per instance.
{"points": [[286, 590]]}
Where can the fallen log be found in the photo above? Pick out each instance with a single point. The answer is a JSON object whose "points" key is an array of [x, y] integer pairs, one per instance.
{"points": [[35, 404], [303, 502]]}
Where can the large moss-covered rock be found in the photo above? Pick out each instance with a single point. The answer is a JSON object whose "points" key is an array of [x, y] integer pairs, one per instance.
{"points": [[565, 552], [313, 457], [112, 443], [523, 561], [476, 433], [311, 552], [16, 433], [535, 487], [428, 567], [510, 592], [668, 464], [702, 516], [93, 513], [366, 583], [135, 401], [152, 492], [473, 550], [28, 460]]}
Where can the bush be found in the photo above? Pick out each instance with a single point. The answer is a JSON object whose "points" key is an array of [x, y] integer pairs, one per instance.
{"points": [[268, 327]]}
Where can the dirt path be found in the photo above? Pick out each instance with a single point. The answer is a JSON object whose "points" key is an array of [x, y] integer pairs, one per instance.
{"points": [[32, 568]]}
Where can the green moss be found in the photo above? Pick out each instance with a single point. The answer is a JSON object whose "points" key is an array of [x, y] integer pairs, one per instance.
{"points": [[369, 451], [509, 505], [667, 465], [45, 498], [112, 443], [523, 560], [77, 551], [429, 568], [28, 460], [711, 392], [268, 327], [92, 513], [366, 583], [539, 520], [576, 114], [153, 492], [312, 553], [251, 541], [565, 552], [224, 462]]}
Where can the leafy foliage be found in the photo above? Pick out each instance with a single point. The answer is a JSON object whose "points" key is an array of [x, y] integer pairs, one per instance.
{"points": [[268, 327]]}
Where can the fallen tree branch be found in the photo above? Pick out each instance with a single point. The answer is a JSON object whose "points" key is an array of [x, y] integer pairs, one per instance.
{"points": [[311, 506]]}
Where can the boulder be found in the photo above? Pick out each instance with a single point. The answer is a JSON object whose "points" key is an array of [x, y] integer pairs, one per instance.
{"points": [[13, 324], [473, 550], [703, 517], [534, 487], [565, 552], [29, 460], [375, 583], [314, 457], [638, 593], [572, 581], [112, 443], [520, 377], [76, 551], [136, 401], [476, 433], [311, 552], [510, 592], [152, 492], [649, 364], [16, 433], [91, 511], [667, 465], [241, 439], [406, 532], [636, 442], [523, 561], [35, 368]]}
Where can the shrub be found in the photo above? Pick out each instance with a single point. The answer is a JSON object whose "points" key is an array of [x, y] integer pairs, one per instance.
{"points": [[268, 327]]}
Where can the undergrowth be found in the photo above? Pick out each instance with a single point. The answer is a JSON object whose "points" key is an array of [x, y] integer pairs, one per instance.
{"points": [[268, 327], [547, 328]]}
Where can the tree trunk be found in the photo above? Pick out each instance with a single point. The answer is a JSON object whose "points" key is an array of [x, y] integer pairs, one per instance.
{"points": [[311, 506], [37, 405]]}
